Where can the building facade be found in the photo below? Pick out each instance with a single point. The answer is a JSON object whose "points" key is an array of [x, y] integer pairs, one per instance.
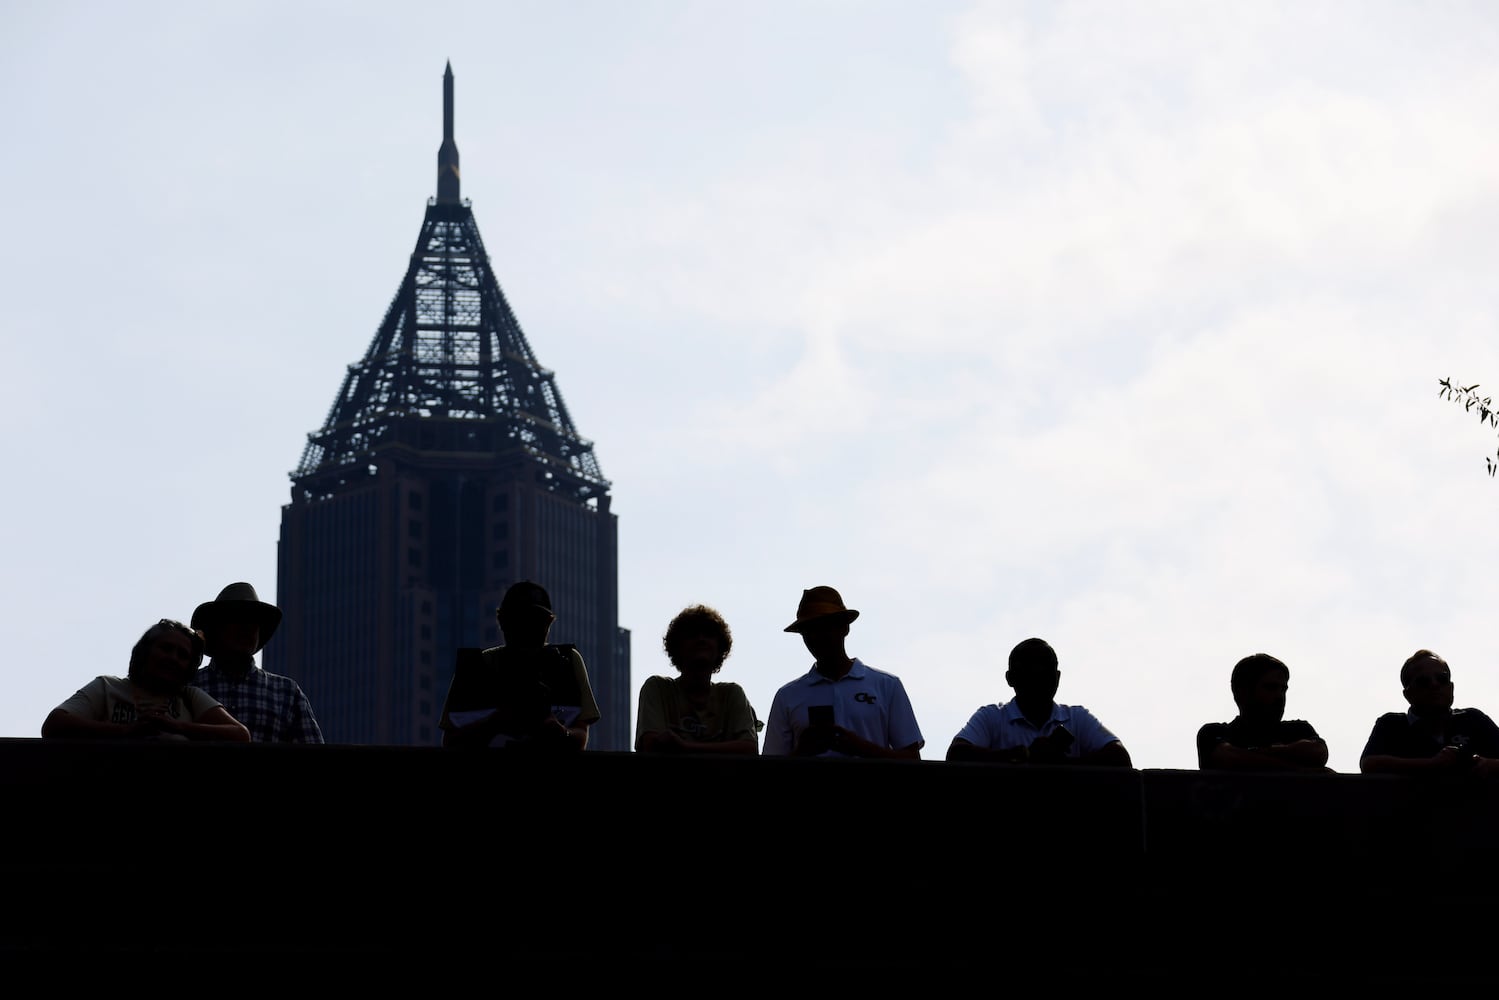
{"points": [[447, 469]]}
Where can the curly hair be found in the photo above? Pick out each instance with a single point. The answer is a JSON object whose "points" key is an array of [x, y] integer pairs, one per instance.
{"points": [[699, 619], [143, 644]]}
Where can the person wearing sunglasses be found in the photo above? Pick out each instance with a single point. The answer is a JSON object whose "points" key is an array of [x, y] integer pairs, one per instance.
{"points": [[1431, 737]]}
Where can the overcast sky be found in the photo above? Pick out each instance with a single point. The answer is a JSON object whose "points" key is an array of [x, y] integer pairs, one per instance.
{"points": [[1118, 324]]}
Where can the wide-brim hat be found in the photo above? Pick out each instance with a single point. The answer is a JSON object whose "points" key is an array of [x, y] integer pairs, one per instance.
{"points": [[238, 599], [818, 603]]}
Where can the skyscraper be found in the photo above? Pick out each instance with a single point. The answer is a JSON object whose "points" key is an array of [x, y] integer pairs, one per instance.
{"points": [[447, 469]]}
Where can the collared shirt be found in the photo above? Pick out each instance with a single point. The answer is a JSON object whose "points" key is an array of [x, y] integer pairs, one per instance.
{"points": [[1002, 727], [868, 702], [271, 706], [1406, 734]]}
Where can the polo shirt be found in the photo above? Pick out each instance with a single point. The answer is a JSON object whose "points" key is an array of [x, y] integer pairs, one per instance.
{"points": [[870, 703], [1400, 734], [1002, 727]]}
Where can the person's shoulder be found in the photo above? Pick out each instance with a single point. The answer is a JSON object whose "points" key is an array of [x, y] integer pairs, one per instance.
{"points": [[884, 675], [799, 680], [1212, 728], [285, 683], [656, 682]]}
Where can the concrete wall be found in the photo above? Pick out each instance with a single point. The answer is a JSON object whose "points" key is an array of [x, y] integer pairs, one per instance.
{"points": [[368, 862]]}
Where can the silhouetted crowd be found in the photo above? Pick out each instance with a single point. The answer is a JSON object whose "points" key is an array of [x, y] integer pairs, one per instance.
{"points": [[532, 696]]}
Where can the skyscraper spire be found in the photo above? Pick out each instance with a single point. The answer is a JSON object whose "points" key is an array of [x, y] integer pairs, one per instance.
{"points": [[448, 468], [447, 154]]}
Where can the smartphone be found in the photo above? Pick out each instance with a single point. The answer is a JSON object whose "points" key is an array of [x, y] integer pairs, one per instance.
{"points": [[820, 715], [1062, 737]]}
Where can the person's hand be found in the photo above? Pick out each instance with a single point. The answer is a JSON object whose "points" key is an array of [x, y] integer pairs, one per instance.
{"points": [[814, 740], [1048, 749], [667, 741], [1450, 759], [844, 741], [552, 729], [155, 724], [1486, 767]]}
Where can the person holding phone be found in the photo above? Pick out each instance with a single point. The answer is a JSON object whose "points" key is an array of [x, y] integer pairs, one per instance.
{"points": [[1032, 728], [842, 707]]}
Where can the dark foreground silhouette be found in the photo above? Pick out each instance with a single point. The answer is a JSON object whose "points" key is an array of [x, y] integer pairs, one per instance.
{"points": [[362, 863]]}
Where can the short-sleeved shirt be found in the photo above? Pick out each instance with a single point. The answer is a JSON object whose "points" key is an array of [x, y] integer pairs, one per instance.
{"points": [[1004, 727], [524, 690], [1402, 734], [117, 700], [664, 707], [271, 706], [1247, 735], [868, 702]]}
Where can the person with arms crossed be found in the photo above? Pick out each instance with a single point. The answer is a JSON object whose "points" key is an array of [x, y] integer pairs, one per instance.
{"points": [[691, 713], [1260, 738], [154, 701]]}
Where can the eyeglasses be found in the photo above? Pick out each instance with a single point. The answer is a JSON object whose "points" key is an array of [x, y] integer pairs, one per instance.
{"points": [[1431, 680]]}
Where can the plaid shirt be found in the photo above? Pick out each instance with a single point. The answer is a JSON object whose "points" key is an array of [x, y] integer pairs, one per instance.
{"points": [[271, 706]]}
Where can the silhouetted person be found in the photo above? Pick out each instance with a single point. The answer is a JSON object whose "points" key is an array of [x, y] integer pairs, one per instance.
{"points": [[236, 625], [527, 695], [1259, 739], [154, 701], [690, 713], [842, 706], [1031, 728], [1431, 737]]}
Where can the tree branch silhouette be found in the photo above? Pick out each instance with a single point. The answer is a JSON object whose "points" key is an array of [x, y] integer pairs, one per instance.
{"points": [[1467, 397]]}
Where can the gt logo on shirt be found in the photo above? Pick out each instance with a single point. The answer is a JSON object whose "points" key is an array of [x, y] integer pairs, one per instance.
{"points": [[865, 697]]}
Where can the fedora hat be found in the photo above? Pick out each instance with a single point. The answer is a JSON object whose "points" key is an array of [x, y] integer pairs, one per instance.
{"points": [[239, 599], [820, 602]]}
